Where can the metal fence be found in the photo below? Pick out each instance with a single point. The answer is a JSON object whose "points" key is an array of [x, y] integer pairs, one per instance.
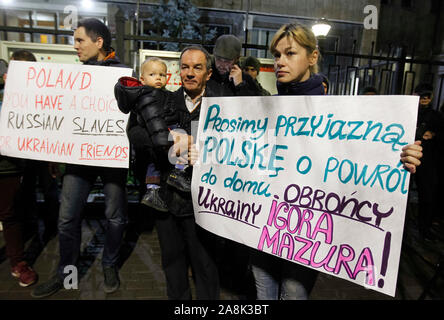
{"points": [[397, 72]]}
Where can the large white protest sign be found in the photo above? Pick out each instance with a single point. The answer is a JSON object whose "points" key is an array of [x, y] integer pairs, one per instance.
{"points": [[64, 113], [313, 180]]}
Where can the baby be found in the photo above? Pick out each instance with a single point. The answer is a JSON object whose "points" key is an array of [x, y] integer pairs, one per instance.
{"points": [[154, 73], [137, 96]]}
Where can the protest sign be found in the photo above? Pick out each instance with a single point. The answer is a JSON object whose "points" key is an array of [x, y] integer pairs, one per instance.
{"points": [[64, 113], [316, 180]]}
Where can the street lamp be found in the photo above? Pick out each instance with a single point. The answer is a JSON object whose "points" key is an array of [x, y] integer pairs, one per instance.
{"points": [[321, 28], [87, 4]]}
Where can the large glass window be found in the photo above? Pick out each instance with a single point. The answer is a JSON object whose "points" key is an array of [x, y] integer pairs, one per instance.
{"points": [[262, 37]]}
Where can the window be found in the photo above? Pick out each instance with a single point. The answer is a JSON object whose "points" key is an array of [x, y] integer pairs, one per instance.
{"points": [[261, 37], [214, 31]]}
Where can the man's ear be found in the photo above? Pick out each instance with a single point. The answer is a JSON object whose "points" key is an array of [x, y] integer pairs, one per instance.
{"points": [[99, 42], [210, 72]]}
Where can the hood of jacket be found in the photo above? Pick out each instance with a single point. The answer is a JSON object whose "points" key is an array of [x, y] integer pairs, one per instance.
{"points": [[127, 92]]}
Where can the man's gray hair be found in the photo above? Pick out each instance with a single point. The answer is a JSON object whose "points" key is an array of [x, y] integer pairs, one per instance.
{"points": [[199, 48]]}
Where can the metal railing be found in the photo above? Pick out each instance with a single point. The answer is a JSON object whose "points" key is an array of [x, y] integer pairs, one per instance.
{"points": [[392, 73]]}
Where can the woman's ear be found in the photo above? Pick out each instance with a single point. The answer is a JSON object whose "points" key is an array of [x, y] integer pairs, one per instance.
{"points": [[313, 59]]}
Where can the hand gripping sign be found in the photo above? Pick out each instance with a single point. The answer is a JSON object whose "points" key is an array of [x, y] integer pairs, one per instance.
{"points": [[313, 180], [64, 113]]}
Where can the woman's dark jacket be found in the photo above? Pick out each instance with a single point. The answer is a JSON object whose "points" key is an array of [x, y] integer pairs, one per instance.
{"points": [[311, 87]]}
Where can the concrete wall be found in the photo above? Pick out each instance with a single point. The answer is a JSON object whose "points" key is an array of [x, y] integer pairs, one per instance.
{"points": [[408, 26], [420, 27], [349, 10]]}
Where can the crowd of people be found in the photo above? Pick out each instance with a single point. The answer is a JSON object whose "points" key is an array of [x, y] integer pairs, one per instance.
{"points": [[154, 114]]}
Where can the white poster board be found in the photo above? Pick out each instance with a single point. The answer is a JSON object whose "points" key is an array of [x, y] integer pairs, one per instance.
{"points": [[64, 113], [315, 180]]}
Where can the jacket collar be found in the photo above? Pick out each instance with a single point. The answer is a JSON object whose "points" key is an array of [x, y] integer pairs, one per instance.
{"points": [[313, 86], [109, 60]]}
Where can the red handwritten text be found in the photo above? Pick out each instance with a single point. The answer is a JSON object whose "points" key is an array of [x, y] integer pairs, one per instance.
{"points": [[29, 144], [46, 77], [43, 102], [15, 100], [288, 242], [94, 151], [99, 104]]}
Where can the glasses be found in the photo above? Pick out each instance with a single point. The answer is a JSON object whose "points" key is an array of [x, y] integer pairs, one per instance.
{"points": [[425, 96]]}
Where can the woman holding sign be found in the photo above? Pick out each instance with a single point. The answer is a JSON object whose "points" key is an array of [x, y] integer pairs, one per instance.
{"points": [[295, 52]]}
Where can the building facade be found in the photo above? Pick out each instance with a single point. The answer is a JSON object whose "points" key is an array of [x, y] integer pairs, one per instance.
{"points": [[406, 35]]}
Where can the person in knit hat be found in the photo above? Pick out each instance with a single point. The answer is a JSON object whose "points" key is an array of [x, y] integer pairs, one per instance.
{"points": [[226, 69], [252, 66]]}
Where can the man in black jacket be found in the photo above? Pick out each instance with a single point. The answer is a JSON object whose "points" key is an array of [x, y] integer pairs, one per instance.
{"points": [[182, 242], [226, 69], [429, 130], [228, 74], [252, 66], [92, 41]]}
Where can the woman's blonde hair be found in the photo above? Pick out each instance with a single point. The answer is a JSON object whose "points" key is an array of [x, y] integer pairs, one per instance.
{"points": [[302, 35]]}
